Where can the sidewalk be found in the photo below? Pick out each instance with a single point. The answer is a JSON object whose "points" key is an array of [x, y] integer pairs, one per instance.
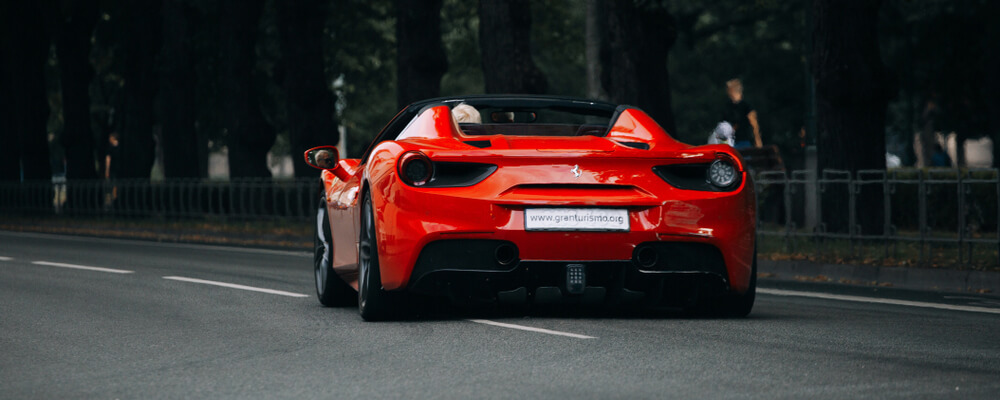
{"points": [[945, 280]]}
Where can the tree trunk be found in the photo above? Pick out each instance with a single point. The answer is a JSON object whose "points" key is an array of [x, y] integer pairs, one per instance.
{"points": [[248, 135], [659, 32], [960, 137], [311, 118], [420, 57], [505, 41], [596, 31], [24, 106], [635, 59], [185, 150], [991, 62], [850, 85], [10, 143], [74, 29], [141, 44], [620, 76], [928, 127], [851, 101]]}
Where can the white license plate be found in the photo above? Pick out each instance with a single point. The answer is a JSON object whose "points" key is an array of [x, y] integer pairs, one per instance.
{"points": [[575, 219]]}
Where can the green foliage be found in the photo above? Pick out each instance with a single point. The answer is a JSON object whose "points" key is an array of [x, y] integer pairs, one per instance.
{"points": [[362, 68], [460, 34], [558, 47]]}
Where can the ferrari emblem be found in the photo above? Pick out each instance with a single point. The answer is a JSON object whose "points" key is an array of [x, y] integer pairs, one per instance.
{"points": [[576, 171]]}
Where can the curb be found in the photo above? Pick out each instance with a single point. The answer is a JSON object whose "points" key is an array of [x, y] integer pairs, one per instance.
{"points": [[944, 280]]}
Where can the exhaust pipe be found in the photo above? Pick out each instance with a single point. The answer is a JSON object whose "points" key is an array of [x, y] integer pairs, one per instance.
{"points": [[646, 257], [505, 254]]}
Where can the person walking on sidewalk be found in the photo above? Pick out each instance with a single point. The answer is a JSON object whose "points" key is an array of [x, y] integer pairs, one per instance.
{"points": [[742, 116]]}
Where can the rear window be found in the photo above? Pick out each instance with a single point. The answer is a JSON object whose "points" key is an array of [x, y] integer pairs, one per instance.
{"points": [[515, 116], [517, 129], [539, 121]]}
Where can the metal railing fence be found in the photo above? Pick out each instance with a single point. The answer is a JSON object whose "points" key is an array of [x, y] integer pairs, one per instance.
{"points": [[946, 212], [241, 199], [909, 213]]}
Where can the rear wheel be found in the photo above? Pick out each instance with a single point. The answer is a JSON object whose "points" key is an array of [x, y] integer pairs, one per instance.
{"points": [[739, 305], [374, 303], [330, 289]]}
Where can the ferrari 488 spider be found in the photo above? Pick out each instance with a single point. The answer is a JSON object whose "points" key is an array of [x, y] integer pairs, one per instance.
{"points": [[534, 200]]}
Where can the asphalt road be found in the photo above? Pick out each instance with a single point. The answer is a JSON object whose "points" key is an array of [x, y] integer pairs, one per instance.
{"points": [[101, 318]]}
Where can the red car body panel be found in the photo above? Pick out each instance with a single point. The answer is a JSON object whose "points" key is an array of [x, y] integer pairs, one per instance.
{"points": [[576, 171], [342, 209]]}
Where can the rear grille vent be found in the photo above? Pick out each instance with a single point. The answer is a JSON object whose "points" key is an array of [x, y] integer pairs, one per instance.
{"points": [[680, 257]]}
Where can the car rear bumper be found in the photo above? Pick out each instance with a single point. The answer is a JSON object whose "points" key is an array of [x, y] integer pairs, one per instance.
{"points": [[415, 218], [728, 231], [659, 273]]}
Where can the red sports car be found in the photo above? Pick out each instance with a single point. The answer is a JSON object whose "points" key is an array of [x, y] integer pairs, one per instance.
{"points": [[534, 200]]}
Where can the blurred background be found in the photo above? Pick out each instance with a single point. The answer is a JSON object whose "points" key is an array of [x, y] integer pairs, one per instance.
{"points": [[207, 99], [222, 88]]}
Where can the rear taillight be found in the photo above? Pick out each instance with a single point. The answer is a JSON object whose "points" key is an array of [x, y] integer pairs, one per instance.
{"points": [[722, 173], [415, 168]]}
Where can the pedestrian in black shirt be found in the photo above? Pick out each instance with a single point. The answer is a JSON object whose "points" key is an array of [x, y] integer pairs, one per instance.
{"points": [[112, 166], [111, 156], [742, 116]]}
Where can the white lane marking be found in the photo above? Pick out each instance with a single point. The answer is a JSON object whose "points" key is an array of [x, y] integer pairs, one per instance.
{"points": [[951, 307], [134, 242], [5, 258], [235, 286], [83, 267], [531, 329]]}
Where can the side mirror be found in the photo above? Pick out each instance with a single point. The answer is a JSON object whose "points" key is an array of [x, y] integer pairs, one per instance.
{"points": [[322, 157]]}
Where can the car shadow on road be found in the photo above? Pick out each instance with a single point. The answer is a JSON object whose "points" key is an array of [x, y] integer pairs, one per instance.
{"points": [[433, 309]]}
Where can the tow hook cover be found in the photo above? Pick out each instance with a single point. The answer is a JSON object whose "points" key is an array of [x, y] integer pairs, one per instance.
{"points": [[576, 278]]}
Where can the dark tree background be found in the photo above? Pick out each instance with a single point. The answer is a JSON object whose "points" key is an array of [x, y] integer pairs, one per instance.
{"points": [[24, 105], [991, 82], [309, 101], [505, 39], [184, 149], [140, 45], [420, 57], [635, 58], [262, 80], [851, 101], [247, 132], [73, 24], [851, 91]]}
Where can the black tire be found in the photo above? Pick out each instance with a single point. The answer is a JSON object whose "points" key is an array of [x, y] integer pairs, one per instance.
{"points": [[330, 289], [740, 305], [374, 303]]}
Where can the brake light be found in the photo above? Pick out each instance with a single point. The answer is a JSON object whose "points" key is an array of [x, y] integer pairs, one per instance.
{"points": [[722, 173], [415, 168]]}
